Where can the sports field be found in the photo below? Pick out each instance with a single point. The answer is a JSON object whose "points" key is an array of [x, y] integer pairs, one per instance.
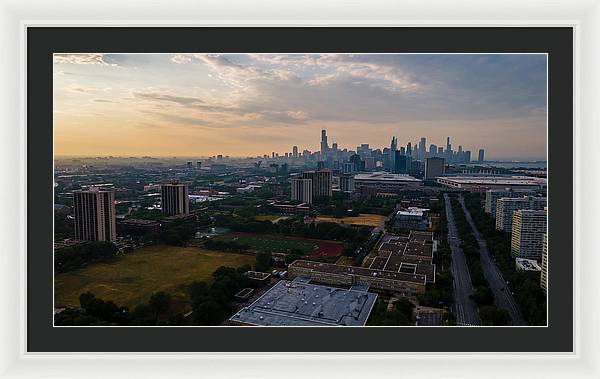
{"points": [[134, 277], [361, 219], [283, 244]]}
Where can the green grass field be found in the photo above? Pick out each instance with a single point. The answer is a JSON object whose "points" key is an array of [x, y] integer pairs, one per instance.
{"points": [[134, 277], [272, 245]]}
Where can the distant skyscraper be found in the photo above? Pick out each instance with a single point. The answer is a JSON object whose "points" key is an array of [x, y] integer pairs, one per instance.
{"points": [[481, 157], [408, 149], [402, 164], [440, 151], [434, 167], [528, 229], [174, 199], [448, 150], [321, 182], [199, 165], [347, 183], [324, 146], [94, 215], [432, 150], [302, 190], [295, 151], [422, 149]]}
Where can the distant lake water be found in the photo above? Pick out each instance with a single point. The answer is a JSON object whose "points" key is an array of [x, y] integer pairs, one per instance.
{"points": [[509, 165]]}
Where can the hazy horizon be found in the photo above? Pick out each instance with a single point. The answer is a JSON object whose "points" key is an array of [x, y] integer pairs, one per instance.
{"points": [[247, 105]]}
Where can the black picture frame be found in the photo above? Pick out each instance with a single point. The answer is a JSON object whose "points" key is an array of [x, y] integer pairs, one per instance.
{"points": [[42, 42]]}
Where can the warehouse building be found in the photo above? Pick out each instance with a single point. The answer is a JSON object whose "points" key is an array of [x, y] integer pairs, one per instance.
{"points": [[300, 303]]}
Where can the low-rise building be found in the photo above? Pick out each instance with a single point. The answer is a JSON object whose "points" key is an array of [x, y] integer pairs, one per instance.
{"points": [[412, 218], [300, 303]]}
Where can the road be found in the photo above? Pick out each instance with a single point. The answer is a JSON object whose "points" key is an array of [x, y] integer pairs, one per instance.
{"points": [[502, 293], [465, 309]]}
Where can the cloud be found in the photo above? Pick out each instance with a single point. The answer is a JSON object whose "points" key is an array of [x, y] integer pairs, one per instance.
{"points": [[161, 97], [91, 58], [105, 101], [181, 58]]}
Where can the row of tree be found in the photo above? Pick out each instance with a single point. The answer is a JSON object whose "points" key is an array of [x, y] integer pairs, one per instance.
{"points": [[482, 295], [524, 284], [70, 258], [440, 293], [98, 312], [402, 313]]}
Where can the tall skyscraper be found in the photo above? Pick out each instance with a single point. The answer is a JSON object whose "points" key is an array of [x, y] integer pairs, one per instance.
{"points": [[409, 149], [528, 229], [434, 167], [448, 150], [433, 150], [544, 276], [94, 215], [302, 190], [481, 157], [324, 146], [422, 149], [321, 182], [174, 199], [295, 151], [507, 206], [401, 163]]}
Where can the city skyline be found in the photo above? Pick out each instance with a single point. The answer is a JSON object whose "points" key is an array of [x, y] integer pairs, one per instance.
{"points": [[253, 104]]}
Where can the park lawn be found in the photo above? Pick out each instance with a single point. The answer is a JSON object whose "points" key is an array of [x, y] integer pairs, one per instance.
{"points": [[361, 219], [132, 278]]}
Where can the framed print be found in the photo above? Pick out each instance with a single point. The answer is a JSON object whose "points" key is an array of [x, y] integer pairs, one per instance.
{"points": [[398, 194]]}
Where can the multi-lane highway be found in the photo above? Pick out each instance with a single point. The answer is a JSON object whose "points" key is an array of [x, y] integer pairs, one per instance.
{"points": [[465, 309], [502, 293]]}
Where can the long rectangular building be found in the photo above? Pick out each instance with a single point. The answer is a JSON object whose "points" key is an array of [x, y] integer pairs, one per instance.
{"points": [[386, 182], [329, 273], [478, 183], [492, 196]]}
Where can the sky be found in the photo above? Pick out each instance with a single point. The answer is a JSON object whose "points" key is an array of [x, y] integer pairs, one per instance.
{"points": [[254, 104]]}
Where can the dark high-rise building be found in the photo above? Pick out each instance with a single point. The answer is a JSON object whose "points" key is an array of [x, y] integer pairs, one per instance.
{"points": [[401, 163], [321, 182], [357, 162], [432, 150], [408, 149], [295, 151], [434, 167], [347, 183], [199, 165], [324, 146], [320, 165], [174, 199], [94, 215], [422, 149], [481, 156]]}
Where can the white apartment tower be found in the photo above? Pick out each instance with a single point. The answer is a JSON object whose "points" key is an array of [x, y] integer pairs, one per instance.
{"points": [[302, 190], [528, 229]]}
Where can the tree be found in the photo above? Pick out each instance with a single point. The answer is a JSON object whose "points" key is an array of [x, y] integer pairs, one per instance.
{"points": [[208, 313], [159, 303], [263, 261]]}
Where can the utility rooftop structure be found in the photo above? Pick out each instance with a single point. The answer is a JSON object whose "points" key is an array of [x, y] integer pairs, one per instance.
{"points": [[298, 303], [468, 182]]}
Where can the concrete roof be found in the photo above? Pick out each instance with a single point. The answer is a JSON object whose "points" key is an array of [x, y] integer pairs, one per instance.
{"points": [[302, 304]]}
